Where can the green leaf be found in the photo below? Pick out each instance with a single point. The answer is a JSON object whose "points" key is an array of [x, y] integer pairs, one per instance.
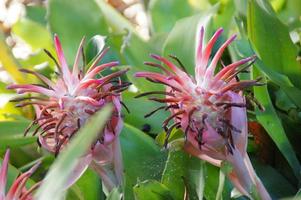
{"points": [[164, 14], [181, 42], [62, 168], [72, 20], [183, 171], [213, 185], [88, 186], [141, 156], [152, 190], [271, 41], [11, 134], [272, 124], [136, 52], [271, 179], [243, 48], [138, 108]]}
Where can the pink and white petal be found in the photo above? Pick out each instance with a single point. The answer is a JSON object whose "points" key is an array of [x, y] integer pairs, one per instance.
{"points": [[210, 70], [64, 66], [239, 119], [102, 154]]}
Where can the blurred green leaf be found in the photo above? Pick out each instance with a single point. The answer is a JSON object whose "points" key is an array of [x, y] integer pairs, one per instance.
{"points": [[271, 41], [151, 190], [164, 14], [72, 20], [34, 34], [114, 195], [62, 168], [118, 23], [141, 156], [11, 134], [272, 124], [8, 61], [36, 13], [140, 107]]}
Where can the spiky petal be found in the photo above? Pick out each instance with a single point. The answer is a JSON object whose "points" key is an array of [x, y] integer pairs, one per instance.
{"points": [[17, 190], [67, 103], [210, 109]]}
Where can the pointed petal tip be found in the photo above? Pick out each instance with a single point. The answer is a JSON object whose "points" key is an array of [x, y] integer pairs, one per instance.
{"points": [[155, 56]]}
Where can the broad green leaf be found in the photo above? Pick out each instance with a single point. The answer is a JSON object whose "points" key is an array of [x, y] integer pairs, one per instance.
{"points": [[272, 124], [275, 183], [152, 190], [72, 20], [181, 41], [213, 185], [164, 14], [141, 156], [138, 108], [271, 41], [65, 163], [183, 171]]}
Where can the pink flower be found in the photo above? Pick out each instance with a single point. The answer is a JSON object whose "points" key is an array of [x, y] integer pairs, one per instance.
{"points": [[63, 106], [210, 109], [18, 190]]}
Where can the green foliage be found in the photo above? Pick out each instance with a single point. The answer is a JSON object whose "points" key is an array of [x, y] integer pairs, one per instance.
{"points": [[265, 28]]}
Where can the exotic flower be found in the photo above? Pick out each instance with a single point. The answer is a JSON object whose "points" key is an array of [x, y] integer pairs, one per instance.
{"points": [[210, 109], [18, 190], [65, 105]]}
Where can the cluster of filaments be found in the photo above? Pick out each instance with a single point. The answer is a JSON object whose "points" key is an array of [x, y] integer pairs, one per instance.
{"points": [[61, 115], [204, 106]]}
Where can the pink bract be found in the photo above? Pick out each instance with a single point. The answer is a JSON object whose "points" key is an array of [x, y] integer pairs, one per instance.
{"points": [[17, 190], [64, 105], [210, 109]]}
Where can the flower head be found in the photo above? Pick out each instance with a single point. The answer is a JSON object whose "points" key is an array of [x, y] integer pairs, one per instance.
{"points": [[209, 107], [17, 190], [63, 106]]}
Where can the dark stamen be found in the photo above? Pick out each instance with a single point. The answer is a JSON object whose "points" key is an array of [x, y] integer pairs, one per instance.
{"points": [[168, 132], [154, 111], [52, 58], [154, 92], [123, 104], [179, 62]]}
